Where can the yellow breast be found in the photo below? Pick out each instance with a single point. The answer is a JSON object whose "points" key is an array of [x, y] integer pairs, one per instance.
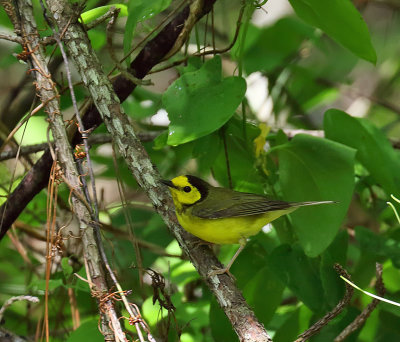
{"points": [[227, 230]]}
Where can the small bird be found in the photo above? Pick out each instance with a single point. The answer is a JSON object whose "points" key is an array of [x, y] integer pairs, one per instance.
{"points": [[224, 216]]}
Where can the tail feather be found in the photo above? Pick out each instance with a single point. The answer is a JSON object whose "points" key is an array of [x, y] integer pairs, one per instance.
{"points": [[302, 204]]}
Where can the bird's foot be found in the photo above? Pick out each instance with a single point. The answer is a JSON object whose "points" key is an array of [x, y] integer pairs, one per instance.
{"points": [[199, 243], [218, 271]]}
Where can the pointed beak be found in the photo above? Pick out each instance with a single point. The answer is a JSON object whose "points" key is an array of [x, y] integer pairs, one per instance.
{"points": [[168, 183]]}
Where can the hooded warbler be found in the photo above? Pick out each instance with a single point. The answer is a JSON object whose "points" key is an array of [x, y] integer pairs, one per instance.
{"points": [[224, 216]]}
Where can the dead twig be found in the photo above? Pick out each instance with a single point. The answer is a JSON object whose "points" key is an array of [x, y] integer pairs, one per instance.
{"points": [[10, 301], [316, 327], [362, 317]]}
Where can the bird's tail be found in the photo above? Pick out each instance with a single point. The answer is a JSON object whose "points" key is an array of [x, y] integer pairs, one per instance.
{"points": [[302, 204]]}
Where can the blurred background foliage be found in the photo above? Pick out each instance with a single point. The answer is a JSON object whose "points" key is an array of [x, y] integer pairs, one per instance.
{"points": [[303, 106]]}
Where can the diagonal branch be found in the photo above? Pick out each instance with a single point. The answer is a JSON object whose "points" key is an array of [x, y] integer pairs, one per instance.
{"points": [[359, 321], [242, 318], [317, 326], [48, 95], [152, 54]]}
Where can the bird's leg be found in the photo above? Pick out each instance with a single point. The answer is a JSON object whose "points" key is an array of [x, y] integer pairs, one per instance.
{"points": [[242, 243], [200, 242]]}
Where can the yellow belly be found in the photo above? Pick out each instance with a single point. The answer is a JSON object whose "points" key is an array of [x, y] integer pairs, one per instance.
{"points": [[228, 230]]}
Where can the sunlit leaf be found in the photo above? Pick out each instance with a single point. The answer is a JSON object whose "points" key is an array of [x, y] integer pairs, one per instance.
{"points": [[200, 102]]}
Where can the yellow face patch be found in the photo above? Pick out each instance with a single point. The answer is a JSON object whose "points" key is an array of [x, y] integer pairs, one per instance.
{"points": [[183, 192]]}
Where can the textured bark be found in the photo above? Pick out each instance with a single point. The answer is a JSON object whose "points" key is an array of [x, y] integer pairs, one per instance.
{"points": [[243, 320], [106, 99], [46, 91], [152, 53]]}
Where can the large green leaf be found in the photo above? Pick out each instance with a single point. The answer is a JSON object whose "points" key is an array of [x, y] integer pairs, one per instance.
{"points": [[264, 281], [200, 102], [298, 272], [335, 253], [274, 46], [313, 169], [374, 150], [340, 20]]}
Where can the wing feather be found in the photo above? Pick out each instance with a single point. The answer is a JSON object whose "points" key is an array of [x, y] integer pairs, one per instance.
{"points": [[223, 205]]}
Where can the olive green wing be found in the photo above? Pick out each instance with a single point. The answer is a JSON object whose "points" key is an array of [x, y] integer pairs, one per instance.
{"points": [[222, 203]]}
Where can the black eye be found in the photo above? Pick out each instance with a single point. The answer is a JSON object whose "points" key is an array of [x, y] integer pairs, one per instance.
{"points": [[187, 189]]}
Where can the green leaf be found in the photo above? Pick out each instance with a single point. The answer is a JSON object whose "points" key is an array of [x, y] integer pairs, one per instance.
{"points": [[239, 154], [378, 245], [336, 253], [66, 267], [340, 20], [88, 330], [289, 329], [206, 150], [336, 326], [274, 46], [297, 272], [88, 16], [295, 323], [97, 38], [314, 169], [142, 103], [391, 277], [264, 281], [153, 312], [40, 284], [161, 141], [200, 102], [374, 150], [305, 87], [221, 329], [249, 262], [138, 11], [389, 329]]}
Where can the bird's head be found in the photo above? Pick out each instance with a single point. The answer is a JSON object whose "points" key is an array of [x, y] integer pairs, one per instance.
{"points": [[187, 190]]}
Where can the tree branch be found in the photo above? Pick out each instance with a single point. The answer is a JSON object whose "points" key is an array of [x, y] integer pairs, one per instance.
{"points": [[242, 318], [46, 90], [36, 179], [362, 317], [317, 326], [11, 38], [93, 139]]}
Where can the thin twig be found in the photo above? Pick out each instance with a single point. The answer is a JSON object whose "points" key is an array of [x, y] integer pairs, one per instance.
{"points": [[10, 301], [47, 92], [158, 27], [82, 131], [17, 127], [227, 294], [316, 327], [101, 138], [118, 64], [127, 215], [362, 317], [11, 38], [228, 165], [95, 214], [213, 51]]}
